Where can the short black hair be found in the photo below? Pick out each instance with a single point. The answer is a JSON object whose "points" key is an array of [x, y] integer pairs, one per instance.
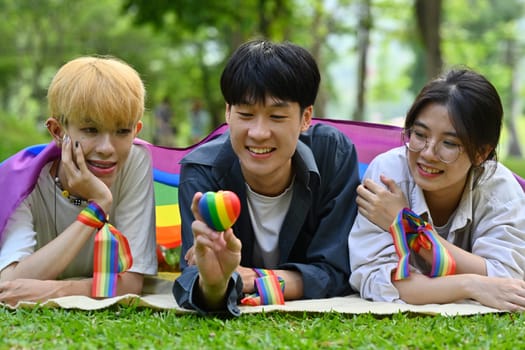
{"points": [[260, 68]]}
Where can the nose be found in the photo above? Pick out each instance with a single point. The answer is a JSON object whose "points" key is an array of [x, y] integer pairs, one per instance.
{"points": [[105, 144], [429, 151], [259, 129]]}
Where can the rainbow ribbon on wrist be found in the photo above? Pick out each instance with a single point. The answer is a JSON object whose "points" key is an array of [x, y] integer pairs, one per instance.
{"points": [[112, 254], [269, 289], [410, 231]]}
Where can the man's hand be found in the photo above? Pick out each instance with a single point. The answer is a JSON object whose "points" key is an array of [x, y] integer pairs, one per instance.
{"points": [[216, 254], [378, 204]]}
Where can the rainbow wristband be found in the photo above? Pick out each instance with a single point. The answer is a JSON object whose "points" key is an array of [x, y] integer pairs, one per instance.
{"points": [[269, 289], [93, 215], [410, 231], [112, 254]]}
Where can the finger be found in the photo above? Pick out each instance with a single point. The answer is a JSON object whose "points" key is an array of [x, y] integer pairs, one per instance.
{"points": [[67, 157], [203, 243], [195, 206], [372, 186], [66, 149], [363, 212], [232, 243], [361, 202], [390, 184], [79, 156], [189, 253], [365, 193], [200, 228]]}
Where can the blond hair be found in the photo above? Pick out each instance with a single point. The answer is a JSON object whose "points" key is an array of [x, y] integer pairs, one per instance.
{"points": [[103, 90]]}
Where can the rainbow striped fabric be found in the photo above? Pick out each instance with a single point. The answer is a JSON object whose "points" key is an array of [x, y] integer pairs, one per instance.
{"points": [[410, 231], [370, 139], [111, 252], [269, 289]]}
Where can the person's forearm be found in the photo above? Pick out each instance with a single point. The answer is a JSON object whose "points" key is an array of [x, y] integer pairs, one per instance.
{"points": [[293, 284], [130, 283], [50, 261], [466, 262], [127, 283], [420, 289]]}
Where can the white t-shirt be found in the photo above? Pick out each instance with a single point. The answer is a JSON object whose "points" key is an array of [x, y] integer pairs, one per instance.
{"points": [[267, 215], [45, 213]]}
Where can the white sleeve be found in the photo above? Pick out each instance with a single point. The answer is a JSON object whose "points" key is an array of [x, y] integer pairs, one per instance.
{"points": [[134, 211], [19, 238], [372, 253], [498, 233]]}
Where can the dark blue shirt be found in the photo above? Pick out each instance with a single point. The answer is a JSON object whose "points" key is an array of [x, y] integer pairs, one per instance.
{"points": [[314, 235]]}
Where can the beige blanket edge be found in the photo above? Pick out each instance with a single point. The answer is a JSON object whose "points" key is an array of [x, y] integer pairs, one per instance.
{"points": [[157, 295]]}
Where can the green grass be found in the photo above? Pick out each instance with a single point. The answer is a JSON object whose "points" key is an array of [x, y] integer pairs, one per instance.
{"points": [[130, 328]]}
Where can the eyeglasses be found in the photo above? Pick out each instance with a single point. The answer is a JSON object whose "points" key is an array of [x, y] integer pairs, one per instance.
{"points": [[446, 150]]}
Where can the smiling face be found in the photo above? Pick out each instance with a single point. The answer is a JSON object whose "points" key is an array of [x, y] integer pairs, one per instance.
{"points": [[105, 149], [430, 173], [264, 137]]}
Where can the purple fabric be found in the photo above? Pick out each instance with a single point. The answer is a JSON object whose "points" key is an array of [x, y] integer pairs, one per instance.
{"points": [[18, 176], [521, 181]]}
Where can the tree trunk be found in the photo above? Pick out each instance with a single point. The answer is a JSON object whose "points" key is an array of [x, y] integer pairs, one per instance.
{"points": [[428, 18], [363, 43], [514, 100]]}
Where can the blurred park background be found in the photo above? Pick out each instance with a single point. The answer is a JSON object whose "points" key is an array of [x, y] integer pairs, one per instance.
{"points": [[374, 55]]}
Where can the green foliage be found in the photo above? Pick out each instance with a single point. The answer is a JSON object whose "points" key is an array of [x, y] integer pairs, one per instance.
{"points": [[517, 165], [136, 328], [19, 133]]}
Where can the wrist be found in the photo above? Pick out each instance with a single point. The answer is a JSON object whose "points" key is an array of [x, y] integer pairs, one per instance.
{"points": [[212, 294], [103, 203], [212, 289]]}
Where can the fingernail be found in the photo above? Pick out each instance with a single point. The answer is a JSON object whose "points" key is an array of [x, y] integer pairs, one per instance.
{"points": [[76, 144]]}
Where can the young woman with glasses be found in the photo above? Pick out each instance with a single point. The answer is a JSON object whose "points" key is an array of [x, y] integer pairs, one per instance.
{"points": [[440, 220]]}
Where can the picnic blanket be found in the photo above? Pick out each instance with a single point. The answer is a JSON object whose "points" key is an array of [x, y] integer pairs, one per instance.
{"points": [[157, 295]]}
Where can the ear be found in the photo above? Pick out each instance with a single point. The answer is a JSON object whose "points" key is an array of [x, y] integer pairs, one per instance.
{"points": [[138, 128], [306, 119], [483, 154], [227, 113], [55, 130]]}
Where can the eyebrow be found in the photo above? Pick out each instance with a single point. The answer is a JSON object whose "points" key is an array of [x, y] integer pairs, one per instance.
{"points": [[424, 126]]}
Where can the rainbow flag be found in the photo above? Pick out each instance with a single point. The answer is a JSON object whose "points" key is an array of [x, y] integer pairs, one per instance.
{"points": [[370, 139]]}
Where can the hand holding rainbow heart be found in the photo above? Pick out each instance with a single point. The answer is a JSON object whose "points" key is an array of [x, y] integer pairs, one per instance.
{"points": [[220, 209]]}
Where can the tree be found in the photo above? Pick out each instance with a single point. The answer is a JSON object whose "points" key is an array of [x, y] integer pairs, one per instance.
{"points": [[363, 43], [484, 35], [428, 18]]}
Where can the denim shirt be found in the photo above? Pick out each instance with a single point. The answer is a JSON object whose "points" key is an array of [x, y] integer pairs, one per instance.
{"points": [[489, 222], [315, 230]]}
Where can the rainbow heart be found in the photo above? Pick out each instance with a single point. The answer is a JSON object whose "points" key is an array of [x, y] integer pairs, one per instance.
{"points": [[220, 209]]}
